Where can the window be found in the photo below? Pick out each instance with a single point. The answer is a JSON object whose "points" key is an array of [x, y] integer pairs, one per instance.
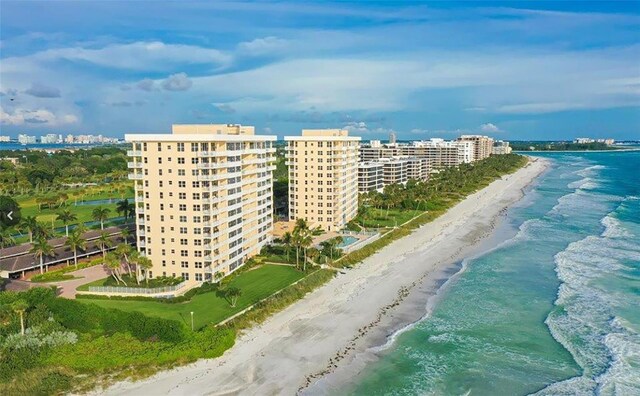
{"points": [[181, 160], [184, 241], [182, 184], [183, 230], [185, 276], [183, 207], [184, 253], [199, 277], [181, 148]]}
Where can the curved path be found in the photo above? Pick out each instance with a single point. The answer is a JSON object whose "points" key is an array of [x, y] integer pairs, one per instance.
{"points": [[87, 275]]}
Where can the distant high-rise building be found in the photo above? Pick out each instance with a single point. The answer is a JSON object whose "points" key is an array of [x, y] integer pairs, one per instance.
{"points": [[5, 138], [392, 138], [323, 177], [203, 197], [50, 138], [26, 139]]}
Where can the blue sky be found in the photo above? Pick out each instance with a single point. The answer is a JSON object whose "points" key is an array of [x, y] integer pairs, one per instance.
{"points": [[514, 70]]}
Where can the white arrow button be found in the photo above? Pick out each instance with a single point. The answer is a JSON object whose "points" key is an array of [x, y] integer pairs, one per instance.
{"points": [[9, 215]]}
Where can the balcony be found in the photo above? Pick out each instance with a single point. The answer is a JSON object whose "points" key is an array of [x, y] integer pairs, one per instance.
{"points": [[142, 244], [140, 209], [136, 176], [141, 233], [134, 153], [134, 165], [139, 199]]}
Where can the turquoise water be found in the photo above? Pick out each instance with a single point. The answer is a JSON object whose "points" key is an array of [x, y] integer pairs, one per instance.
{"points": [[553, 310], [347, 240]]}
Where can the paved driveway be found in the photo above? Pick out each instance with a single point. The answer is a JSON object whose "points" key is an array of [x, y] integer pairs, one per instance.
{"points": [[85, 276]]}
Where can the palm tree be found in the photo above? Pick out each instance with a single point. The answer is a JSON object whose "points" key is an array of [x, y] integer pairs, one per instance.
{"points": [[305, 241], [145, 264], [112, 261], [29, 224], [42, 231], [126, 233], [233, 293], [6, 239], [104, 242], [20, 307], [100, 214], [131, 210], [40, 249], [336, 242], [75, 242], [66, 216], [124, 252], [287, 240], [218, 276], [122, 207]]}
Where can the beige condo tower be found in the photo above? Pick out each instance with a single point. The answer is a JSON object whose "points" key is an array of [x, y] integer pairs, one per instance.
{"points": [[323, 177], [203, 197]]}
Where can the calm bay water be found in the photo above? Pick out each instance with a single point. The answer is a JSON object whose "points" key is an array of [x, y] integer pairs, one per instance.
{"points": [[554, 310]]}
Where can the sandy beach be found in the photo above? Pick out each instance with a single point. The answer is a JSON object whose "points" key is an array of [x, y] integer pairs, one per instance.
{"points": [[318, 343]]}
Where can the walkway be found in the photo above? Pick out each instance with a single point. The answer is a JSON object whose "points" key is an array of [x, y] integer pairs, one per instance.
{"points": [[87, 275]]}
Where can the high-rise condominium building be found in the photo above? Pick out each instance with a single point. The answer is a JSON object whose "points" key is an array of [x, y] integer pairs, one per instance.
{"points": [[441, 153], [323, 177], [203, 197], [482, 145]]}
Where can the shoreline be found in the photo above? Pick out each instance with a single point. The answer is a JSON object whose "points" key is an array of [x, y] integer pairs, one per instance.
{"points": [[321, 341]]}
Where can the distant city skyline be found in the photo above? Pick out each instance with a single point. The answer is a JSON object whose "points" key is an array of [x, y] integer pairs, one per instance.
{"points": [[514, 71]]}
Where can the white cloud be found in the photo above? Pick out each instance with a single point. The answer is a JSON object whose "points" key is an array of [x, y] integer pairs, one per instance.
{"points": [[146, 84], [489, 128], [177, 82], [262, 46], [139, 55], [21, 116]]}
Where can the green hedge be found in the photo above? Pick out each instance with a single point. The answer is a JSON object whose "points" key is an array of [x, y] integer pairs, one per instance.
{"points": [[59, 274]]}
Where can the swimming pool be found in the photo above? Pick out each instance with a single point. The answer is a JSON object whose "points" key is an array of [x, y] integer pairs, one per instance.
{"points": [[347, 240]]}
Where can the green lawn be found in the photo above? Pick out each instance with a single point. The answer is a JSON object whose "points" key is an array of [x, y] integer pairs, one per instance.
{"points": [[375, 218], [208, 308], [29, 207]]}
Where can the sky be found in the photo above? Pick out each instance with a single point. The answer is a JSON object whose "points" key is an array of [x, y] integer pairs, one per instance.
{"points": [[513, 70]]}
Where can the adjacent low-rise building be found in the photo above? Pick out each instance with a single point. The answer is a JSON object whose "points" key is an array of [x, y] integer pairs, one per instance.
{"points": [[370, 176], [501, 147], [203, 197]]}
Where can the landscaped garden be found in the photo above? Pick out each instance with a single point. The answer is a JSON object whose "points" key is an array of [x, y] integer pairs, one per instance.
{"points": [[42, 187], [212, 307]]}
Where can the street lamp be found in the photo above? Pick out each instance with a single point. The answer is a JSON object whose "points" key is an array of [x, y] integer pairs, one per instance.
{"points": [[191, 320]]}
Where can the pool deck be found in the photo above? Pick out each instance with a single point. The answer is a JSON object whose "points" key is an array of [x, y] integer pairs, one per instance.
{"points": [[362, 239]]}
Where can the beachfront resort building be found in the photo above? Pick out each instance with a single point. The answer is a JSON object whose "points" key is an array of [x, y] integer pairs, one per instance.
{"points": [[323, 177], [482, 145], [203, 197], [370, 176], [501, 147]]}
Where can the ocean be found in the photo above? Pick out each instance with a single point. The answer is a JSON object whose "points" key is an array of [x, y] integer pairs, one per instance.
{"points": [[553, 309]]}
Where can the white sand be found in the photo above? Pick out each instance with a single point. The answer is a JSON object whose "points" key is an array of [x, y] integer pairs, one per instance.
{"points": [[330, 333]]}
